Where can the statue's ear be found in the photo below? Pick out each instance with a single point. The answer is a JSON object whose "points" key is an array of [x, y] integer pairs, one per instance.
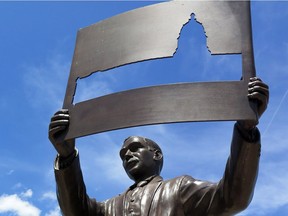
{"points": [[157, 155]]}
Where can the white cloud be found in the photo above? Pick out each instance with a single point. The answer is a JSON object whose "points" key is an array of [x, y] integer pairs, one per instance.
{"points": [[88, 89], [17, 185], [51, 195], [51, 198], [54, 212], [27, 194], [44, 83], [106, 161], [13, 203]]}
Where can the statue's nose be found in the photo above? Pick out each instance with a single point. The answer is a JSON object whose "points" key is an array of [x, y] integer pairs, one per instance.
{"points": [[128, 154]]}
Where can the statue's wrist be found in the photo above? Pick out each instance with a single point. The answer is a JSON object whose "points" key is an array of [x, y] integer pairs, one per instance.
{"points": [[66, 161], [247, 125], [248, 132]]}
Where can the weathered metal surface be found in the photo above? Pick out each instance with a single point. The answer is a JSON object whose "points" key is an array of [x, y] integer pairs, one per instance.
{"points": [[161, 104], [152, 32]]}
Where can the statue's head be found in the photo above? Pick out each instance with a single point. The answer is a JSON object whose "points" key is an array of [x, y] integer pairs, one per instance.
{"points": [[141, 158]]}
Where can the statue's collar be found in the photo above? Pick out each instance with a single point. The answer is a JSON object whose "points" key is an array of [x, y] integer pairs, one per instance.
{"points": [[154, 178]]}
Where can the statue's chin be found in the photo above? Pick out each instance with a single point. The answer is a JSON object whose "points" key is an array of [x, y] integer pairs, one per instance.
{"points": [[132, 171]]}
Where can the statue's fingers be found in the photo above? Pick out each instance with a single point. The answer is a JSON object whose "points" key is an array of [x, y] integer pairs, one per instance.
{"points": [[53, 131], [255, 79], [61, 123], [259, 97], [259, 89], [258, 83], [60, 116], [62, 111]]}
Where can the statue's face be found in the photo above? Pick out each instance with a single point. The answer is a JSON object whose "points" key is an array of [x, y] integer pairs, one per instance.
{"points": [[138, 160]]}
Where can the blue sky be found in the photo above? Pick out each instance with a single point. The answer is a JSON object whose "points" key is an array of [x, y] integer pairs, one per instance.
{"points": [[36, 48]]}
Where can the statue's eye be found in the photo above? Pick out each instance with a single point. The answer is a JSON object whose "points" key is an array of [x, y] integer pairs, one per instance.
{"points": [[135, 146]]}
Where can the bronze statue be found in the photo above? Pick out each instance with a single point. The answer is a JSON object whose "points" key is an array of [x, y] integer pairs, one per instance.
{"points": [[151, 195]]}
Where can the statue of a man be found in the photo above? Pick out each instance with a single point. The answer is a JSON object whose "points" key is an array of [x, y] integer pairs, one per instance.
{"points": [[151, 195]]}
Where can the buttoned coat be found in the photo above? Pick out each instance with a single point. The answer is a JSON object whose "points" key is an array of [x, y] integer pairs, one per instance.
{"points": [[181, 196]]}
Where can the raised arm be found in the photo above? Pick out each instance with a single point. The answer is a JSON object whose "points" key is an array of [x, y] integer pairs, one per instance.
{"points": [[235, 191], [71, 190]]}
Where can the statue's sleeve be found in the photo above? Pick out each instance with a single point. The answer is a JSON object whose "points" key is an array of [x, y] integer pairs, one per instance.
{"points": [[234, 191], [71, 191]]}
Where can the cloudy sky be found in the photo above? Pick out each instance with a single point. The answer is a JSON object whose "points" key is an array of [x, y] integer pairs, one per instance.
{"points": [[36, 48]]}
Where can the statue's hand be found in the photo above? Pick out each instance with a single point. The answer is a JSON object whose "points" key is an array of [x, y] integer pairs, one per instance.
{"points": [[258, 92], [57, 129]]}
